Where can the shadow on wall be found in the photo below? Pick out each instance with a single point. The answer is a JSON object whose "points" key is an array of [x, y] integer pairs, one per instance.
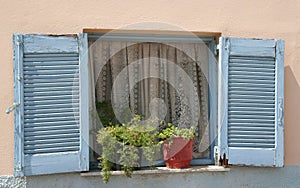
{"points": [[291, 117]]}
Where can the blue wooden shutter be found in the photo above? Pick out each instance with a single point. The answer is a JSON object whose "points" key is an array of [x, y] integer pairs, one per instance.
{"points": [[251, 101], [51, 118]]}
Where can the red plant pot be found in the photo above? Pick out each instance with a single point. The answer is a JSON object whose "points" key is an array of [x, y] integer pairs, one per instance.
{"points": [[178, 152]]}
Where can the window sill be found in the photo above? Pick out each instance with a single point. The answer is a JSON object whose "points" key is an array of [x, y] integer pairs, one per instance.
{"points": [[163, 170]]}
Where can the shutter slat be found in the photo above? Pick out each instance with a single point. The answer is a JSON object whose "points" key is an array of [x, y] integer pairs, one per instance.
{"points": [[47, 115], [33, 81], [257, 120], [46, 128], [52, 150], [58, 76], [250, 85], [246, 108], [250, 60], [250, 124], [249, 102], [252, 145], [251, 77], [256, 116], [57, 97], [250, 113], [42, 85], [246, 81], [64, 93], [251, 73], [260, 93], [53, 102], [53, 72], [51, 132], [49, 111], [49, 67], [234, 96], [52, 55], [50, 141], [255, 65], [41, 89], [49, 137], [247, 128], [49, 119], [34, 105], [54, 123], [36, 147], [247, 69], [256, 133], [51, 59]]}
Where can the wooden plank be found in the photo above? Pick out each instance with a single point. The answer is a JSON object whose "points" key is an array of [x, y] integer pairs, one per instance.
{"points": [[50, 44], [84, 102], [252, 51], [251, 157], [52, 163], [18, 113], [253, 43], [223, 97], [169, 32], [279, 153]]}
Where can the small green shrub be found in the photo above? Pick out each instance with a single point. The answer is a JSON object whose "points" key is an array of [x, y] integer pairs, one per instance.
{"points": [[123, 144]]}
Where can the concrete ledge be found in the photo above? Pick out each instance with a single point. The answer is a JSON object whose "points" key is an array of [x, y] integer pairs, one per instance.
{"points": [[163, 170]]}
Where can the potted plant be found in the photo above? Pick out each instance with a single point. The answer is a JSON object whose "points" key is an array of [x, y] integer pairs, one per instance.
{"points": [[126, 145], [178, 145]]}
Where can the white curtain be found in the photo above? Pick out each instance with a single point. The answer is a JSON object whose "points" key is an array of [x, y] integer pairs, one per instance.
{"points": [[167, 81]]}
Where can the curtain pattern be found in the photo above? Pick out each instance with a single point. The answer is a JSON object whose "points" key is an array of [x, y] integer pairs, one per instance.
{"points": [[153, 79]]}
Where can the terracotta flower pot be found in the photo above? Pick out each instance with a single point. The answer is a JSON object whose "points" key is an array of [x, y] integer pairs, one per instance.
{"points": [[178, 152]]}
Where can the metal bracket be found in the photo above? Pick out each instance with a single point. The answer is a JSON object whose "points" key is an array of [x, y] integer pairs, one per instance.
{"points": [[12, 107]]}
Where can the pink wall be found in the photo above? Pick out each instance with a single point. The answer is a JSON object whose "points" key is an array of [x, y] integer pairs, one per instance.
{"points": [[257, 18]]}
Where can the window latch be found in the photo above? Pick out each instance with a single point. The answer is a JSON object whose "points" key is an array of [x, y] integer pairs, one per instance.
{"points": [[12, 107], [280, 112]]}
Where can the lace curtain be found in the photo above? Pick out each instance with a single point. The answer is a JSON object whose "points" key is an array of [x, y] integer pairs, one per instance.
{"points": [[154, 80]]}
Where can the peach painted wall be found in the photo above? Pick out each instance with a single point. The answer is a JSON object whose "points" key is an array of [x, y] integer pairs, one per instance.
{"points": [[236, 18]]}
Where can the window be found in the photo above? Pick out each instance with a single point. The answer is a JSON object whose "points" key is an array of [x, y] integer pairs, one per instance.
{"points": [[244, 104], [159, 77]]}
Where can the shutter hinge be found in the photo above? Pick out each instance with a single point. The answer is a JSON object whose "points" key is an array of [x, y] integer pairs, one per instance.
{"points": [[19, 169], [19, 40], [216, 49]]}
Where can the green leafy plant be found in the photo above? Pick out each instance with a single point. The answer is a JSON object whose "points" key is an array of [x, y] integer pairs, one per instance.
{"points": [[170, 131], [125, 145]]}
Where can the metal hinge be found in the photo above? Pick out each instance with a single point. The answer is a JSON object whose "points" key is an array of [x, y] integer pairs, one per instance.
{"points": [[216, 48]]}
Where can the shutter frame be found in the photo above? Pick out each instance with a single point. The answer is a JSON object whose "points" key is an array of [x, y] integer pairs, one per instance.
{"points": [[49, 46], [252, 50]]}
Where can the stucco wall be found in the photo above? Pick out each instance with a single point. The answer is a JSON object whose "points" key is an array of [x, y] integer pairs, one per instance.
{"points": [[257, 18]]}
